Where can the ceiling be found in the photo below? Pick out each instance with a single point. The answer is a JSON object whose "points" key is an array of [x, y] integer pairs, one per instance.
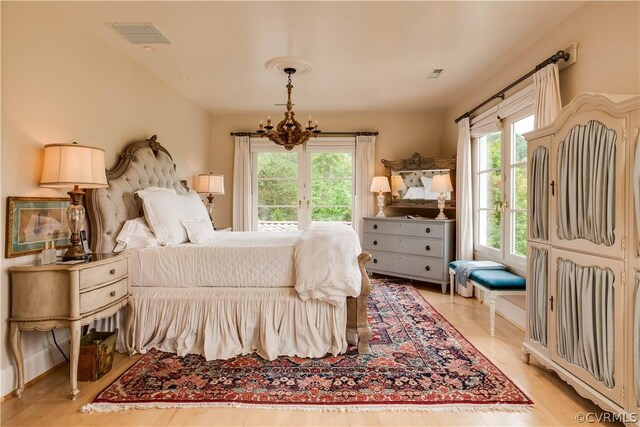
{"points": [[365, 56]]}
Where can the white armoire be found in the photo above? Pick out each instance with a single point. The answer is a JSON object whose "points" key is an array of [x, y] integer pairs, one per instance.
{"points": [[583, 270]]}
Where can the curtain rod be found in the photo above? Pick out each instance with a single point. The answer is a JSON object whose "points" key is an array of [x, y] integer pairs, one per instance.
{"points": [[561, 54], [320, 135]]}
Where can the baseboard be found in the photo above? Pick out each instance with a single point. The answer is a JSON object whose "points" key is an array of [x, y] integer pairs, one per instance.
{"points": [[35, 366]]}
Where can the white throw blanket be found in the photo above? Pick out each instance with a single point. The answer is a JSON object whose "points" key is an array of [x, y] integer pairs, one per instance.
{"points": [[326, 263]]}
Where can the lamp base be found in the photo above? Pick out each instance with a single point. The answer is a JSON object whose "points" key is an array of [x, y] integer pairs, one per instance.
{"points": [[441, 215], [380, 198], [75, 253]]}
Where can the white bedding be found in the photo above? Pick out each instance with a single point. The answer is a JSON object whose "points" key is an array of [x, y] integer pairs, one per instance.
{"points": [[234, 260]]}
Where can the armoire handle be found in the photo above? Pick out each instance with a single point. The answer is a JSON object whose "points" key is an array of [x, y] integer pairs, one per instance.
{"points": [[551, 302], [553, 188]]}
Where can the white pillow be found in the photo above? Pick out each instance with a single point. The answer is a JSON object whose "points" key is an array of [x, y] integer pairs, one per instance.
{"points": [[200, 231], [164, 209], [135, 234], [414, 193]]}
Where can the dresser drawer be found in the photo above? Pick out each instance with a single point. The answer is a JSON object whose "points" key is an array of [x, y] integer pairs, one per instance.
{"points": [[100, 297], [424, 267], [93, 276], [405, 228], [404, 244]]}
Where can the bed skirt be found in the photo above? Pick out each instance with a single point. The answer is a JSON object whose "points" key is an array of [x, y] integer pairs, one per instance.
{"points": [[222, 323]]}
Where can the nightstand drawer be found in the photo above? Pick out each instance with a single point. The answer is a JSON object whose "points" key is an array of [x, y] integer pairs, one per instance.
{"points": [[98, 298], [402, 244], [404, 228], [93, 276]]}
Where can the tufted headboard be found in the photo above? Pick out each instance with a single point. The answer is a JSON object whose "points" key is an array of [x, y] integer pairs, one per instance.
{"points": [[142, 164]]}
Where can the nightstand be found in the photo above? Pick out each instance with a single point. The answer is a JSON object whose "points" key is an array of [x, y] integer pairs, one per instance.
{"points": [[44, 297]]}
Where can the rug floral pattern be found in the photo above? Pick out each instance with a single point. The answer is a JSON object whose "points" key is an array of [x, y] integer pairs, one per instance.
{"points": [[418, 359]]}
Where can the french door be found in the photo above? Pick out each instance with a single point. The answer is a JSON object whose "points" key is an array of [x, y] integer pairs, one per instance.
{"points": [[311, 183]]}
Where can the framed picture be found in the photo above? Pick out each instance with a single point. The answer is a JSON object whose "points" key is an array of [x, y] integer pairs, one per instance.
{"points": [[31, 221]]}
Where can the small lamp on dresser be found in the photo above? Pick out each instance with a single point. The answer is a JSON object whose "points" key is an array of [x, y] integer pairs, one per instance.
{"points": [[441, 184], [74, 165], [213, 184], [380, 184]]}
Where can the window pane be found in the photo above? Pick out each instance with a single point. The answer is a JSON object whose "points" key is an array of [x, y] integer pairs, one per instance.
{"points": [[490, 151], [277, 165], [277, 219], [489, 192], [520, 233], [331, 187], [277, 192], [339, 214], [519, 177], [520, 144], [489, 229]]}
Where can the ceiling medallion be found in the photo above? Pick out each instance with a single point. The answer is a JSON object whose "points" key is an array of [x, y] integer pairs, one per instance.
{"points": [[289, 132]]}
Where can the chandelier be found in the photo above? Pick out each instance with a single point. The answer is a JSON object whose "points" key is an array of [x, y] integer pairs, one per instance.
{"points": [[289, 132]]}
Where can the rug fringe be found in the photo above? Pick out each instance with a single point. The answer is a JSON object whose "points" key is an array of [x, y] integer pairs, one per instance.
{"points": [[463, 407]]}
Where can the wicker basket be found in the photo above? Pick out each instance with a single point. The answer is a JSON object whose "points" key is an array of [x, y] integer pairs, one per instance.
{"points": [[96, 354]]}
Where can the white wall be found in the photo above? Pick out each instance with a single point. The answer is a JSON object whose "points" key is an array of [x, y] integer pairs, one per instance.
{"points": [[60, 83], [608, 34]]}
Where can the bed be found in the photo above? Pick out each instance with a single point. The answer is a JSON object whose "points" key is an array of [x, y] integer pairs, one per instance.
{"points": [[235, 294]]}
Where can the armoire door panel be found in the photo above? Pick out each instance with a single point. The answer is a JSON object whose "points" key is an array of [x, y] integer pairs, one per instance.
{"points": [[588, 172], [585, 331], [537, 299], [538, 153]]}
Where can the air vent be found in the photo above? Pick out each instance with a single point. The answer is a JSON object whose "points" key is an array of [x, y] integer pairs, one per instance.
{"points": [[140, 33], [436, 73]]}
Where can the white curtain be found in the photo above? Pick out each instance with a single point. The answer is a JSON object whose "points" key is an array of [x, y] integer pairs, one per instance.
{"points": [[546, 95], [464, 193], [242, 184], [365, 171]]}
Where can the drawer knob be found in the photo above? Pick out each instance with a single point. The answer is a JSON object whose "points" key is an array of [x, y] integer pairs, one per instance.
{"points": [[428, 230], [375, 242], [427, 268], [428, 247], [375, 226], [112, 271], [375, 261], [112, 293]]}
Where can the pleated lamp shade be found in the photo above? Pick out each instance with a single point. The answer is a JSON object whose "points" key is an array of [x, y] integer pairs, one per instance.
{"points": [[66, 165]]}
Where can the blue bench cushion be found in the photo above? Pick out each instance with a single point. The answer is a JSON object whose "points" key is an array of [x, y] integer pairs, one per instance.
{"points": [[498, 280]]}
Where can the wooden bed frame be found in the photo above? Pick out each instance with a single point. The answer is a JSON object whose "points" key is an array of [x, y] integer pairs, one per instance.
{"points": [[147, 163]]}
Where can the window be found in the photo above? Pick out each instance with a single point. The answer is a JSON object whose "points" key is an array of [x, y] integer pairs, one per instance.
{"points": [[501, 190], [311, 183]]}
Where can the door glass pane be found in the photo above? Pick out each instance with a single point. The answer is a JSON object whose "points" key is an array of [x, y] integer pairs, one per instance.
{"points": [[489, 228], [520, 233], [332, 187], [489, 193], [277, 188], [490, 151], [520, 144], [519, 177]]}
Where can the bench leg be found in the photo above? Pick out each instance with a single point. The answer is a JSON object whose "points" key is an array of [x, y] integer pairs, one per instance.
{"points": [[451, 285], [492, 313]]}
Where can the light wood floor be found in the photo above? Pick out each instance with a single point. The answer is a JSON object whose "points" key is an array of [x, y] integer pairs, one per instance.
{"points": [[555, 403]]}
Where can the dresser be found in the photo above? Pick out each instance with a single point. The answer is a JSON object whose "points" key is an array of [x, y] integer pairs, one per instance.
{"points": [[44, 297], [583, 250], [418, 249]]}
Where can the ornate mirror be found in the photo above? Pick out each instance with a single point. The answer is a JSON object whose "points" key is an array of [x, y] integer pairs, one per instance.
{"points": [[411, 180]]}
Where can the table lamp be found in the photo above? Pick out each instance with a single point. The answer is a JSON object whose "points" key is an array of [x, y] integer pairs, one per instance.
{"points": [[213, 184], [74, 165], [380, 184], [441, 184], [397, 185]]}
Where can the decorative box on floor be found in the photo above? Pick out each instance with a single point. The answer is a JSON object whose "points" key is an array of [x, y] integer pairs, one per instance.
{"points": [[96, 355]]}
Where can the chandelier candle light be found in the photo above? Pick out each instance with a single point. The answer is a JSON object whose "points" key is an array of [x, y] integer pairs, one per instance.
{"points": [[441, 184], [380, 184], [73, 165], [289, 132]]}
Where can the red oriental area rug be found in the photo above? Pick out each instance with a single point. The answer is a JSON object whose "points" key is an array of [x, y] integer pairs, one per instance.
{"points": [[419, 362]]}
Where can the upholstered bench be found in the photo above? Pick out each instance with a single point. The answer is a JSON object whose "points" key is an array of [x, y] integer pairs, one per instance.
{"points": [[493, 283]]}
